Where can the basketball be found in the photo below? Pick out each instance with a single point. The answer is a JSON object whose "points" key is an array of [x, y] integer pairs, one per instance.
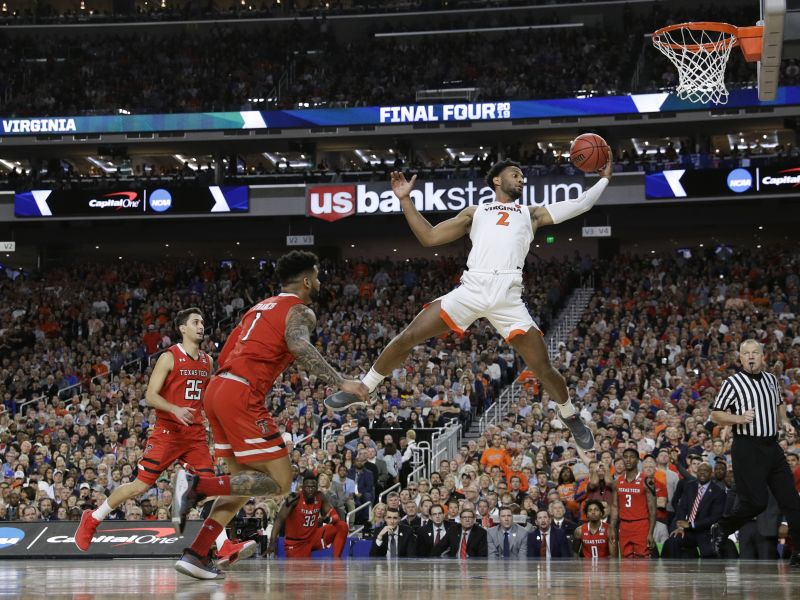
{"points": [[589, 152]]}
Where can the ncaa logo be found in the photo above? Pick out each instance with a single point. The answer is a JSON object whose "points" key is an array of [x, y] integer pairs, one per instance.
{"points": [[160, 200], [740, 180], [10, 536]]}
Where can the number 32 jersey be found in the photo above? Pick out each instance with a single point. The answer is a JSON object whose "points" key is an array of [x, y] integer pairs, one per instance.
{"points": [[185, 384], [501, 235]]}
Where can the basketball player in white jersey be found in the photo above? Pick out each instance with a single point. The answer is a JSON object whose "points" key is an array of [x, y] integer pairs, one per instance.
{"points": [[491, 287]]}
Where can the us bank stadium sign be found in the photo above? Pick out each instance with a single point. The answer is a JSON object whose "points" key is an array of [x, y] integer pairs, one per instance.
{"points": [[384, 115], [334, 202]]}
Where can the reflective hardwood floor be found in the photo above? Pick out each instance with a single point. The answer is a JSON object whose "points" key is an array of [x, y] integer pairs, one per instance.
{"points": [[406, 580]]}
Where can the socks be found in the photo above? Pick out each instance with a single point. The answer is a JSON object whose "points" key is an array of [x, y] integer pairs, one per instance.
{"points": [[102, 511], [373, 379], [214, 486], [208, 533], [567, 409], [221, 538]]}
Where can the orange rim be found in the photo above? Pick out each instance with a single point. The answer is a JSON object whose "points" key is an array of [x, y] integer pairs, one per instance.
{"points": [[726, 28]]}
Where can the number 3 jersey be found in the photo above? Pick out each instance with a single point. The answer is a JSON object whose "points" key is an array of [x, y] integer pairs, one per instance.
{"points": [[184, 385], [501, 235]]}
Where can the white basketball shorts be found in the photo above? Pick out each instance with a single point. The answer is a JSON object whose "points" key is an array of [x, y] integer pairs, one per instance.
{"points": [[496, 297]]}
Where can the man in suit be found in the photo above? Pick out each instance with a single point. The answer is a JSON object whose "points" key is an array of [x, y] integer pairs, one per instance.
{"points": [[433, 535], [465, 540], [758, 539], [701, 505], [395, 540], [370, 421], [507, 540], [365, 487], [547, 542], [558, 520]]}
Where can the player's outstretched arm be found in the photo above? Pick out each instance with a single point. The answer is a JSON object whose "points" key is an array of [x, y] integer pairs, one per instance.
{"points": [[563, 211], [299, 323], [445, 232], [153, 395]]}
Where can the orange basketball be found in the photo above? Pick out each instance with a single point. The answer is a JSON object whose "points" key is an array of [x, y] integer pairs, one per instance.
{"points": [[589, 152]]}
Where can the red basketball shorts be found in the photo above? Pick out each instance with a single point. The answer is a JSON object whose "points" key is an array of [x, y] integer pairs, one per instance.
{"points": [[240, 424], [633, 539], [167, 445]]}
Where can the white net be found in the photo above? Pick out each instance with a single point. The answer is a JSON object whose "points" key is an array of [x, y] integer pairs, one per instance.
{"points": [[700, 57]]}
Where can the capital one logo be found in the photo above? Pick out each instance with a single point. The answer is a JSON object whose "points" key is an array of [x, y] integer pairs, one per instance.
{"points": [[331, 202]]}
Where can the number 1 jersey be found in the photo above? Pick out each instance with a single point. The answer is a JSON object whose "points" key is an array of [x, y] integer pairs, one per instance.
{"points": [[184, 385]]}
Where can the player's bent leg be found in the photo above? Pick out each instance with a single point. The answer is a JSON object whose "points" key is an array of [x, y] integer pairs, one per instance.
{"points": [[91, 519], [427, 324], [335, 534], [531, 347]]}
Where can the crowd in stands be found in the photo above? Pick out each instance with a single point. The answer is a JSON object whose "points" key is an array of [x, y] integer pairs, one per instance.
{"points": [[308, 64], [534, 160], [642, 365]]}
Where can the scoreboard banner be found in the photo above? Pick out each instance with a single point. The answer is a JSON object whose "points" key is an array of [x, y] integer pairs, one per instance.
{"points": [[384, 115], [113, 539], [711, 183], [132, 202]]}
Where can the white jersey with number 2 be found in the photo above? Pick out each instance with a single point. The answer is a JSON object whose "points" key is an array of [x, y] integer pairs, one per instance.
{"points": [[501, 237]]}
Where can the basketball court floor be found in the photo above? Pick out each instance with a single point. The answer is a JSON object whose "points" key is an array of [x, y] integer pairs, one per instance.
{"points": [[405, 579]]}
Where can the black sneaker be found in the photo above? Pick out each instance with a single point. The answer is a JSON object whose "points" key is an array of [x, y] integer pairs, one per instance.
{"points": [[341, 401], [194, 565], [717, 539], [795, 560], [184, 497], [583, 436]]}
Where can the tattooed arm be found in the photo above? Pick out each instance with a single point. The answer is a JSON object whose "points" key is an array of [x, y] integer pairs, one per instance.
{"points": [[253, 483], [299, 323]]}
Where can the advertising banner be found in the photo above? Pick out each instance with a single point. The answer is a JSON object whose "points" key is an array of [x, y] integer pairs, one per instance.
{"points": [[383, 115], [334, 202], [114, 539], [132, 202], [710, 183]]}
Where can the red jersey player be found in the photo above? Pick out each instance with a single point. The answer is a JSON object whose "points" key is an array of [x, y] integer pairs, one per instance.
{"points": [[593, 535], [175, 390], [302, 515], [633, 507], [269, 337]]}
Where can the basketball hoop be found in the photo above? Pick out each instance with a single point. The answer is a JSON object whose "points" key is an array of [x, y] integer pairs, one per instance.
{"points": [[700, 51]]}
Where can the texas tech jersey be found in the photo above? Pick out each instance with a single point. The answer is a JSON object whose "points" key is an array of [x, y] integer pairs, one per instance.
{"points": [[185, 384], [632, 498]]}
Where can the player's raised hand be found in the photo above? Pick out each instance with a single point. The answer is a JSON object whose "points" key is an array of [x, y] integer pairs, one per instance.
{"points": [[184, 414], [400, 186]]}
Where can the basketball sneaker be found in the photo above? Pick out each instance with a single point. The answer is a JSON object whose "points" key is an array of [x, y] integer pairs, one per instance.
{"points": [[341, 401], [184, 497], [582, 435], [231, 553], [85, 533], [194, 565]]}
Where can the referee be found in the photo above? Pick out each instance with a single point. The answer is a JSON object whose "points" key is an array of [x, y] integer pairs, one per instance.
{"points": [[751, 401]]}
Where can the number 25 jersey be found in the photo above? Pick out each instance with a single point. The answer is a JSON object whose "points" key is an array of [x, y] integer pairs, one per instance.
{"points": [[184, 386]]}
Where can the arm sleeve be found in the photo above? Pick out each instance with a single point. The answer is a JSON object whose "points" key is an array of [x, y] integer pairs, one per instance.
{"points": [[562, 211]]}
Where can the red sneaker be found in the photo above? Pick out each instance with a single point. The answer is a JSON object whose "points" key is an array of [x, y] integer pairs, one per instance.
{"points": [[231, 553], [83, 537]]}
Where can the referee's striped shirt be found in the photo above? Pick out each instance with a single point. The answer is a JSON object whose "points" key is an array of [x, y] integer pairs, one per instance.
{"points": [[742, 392]]}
